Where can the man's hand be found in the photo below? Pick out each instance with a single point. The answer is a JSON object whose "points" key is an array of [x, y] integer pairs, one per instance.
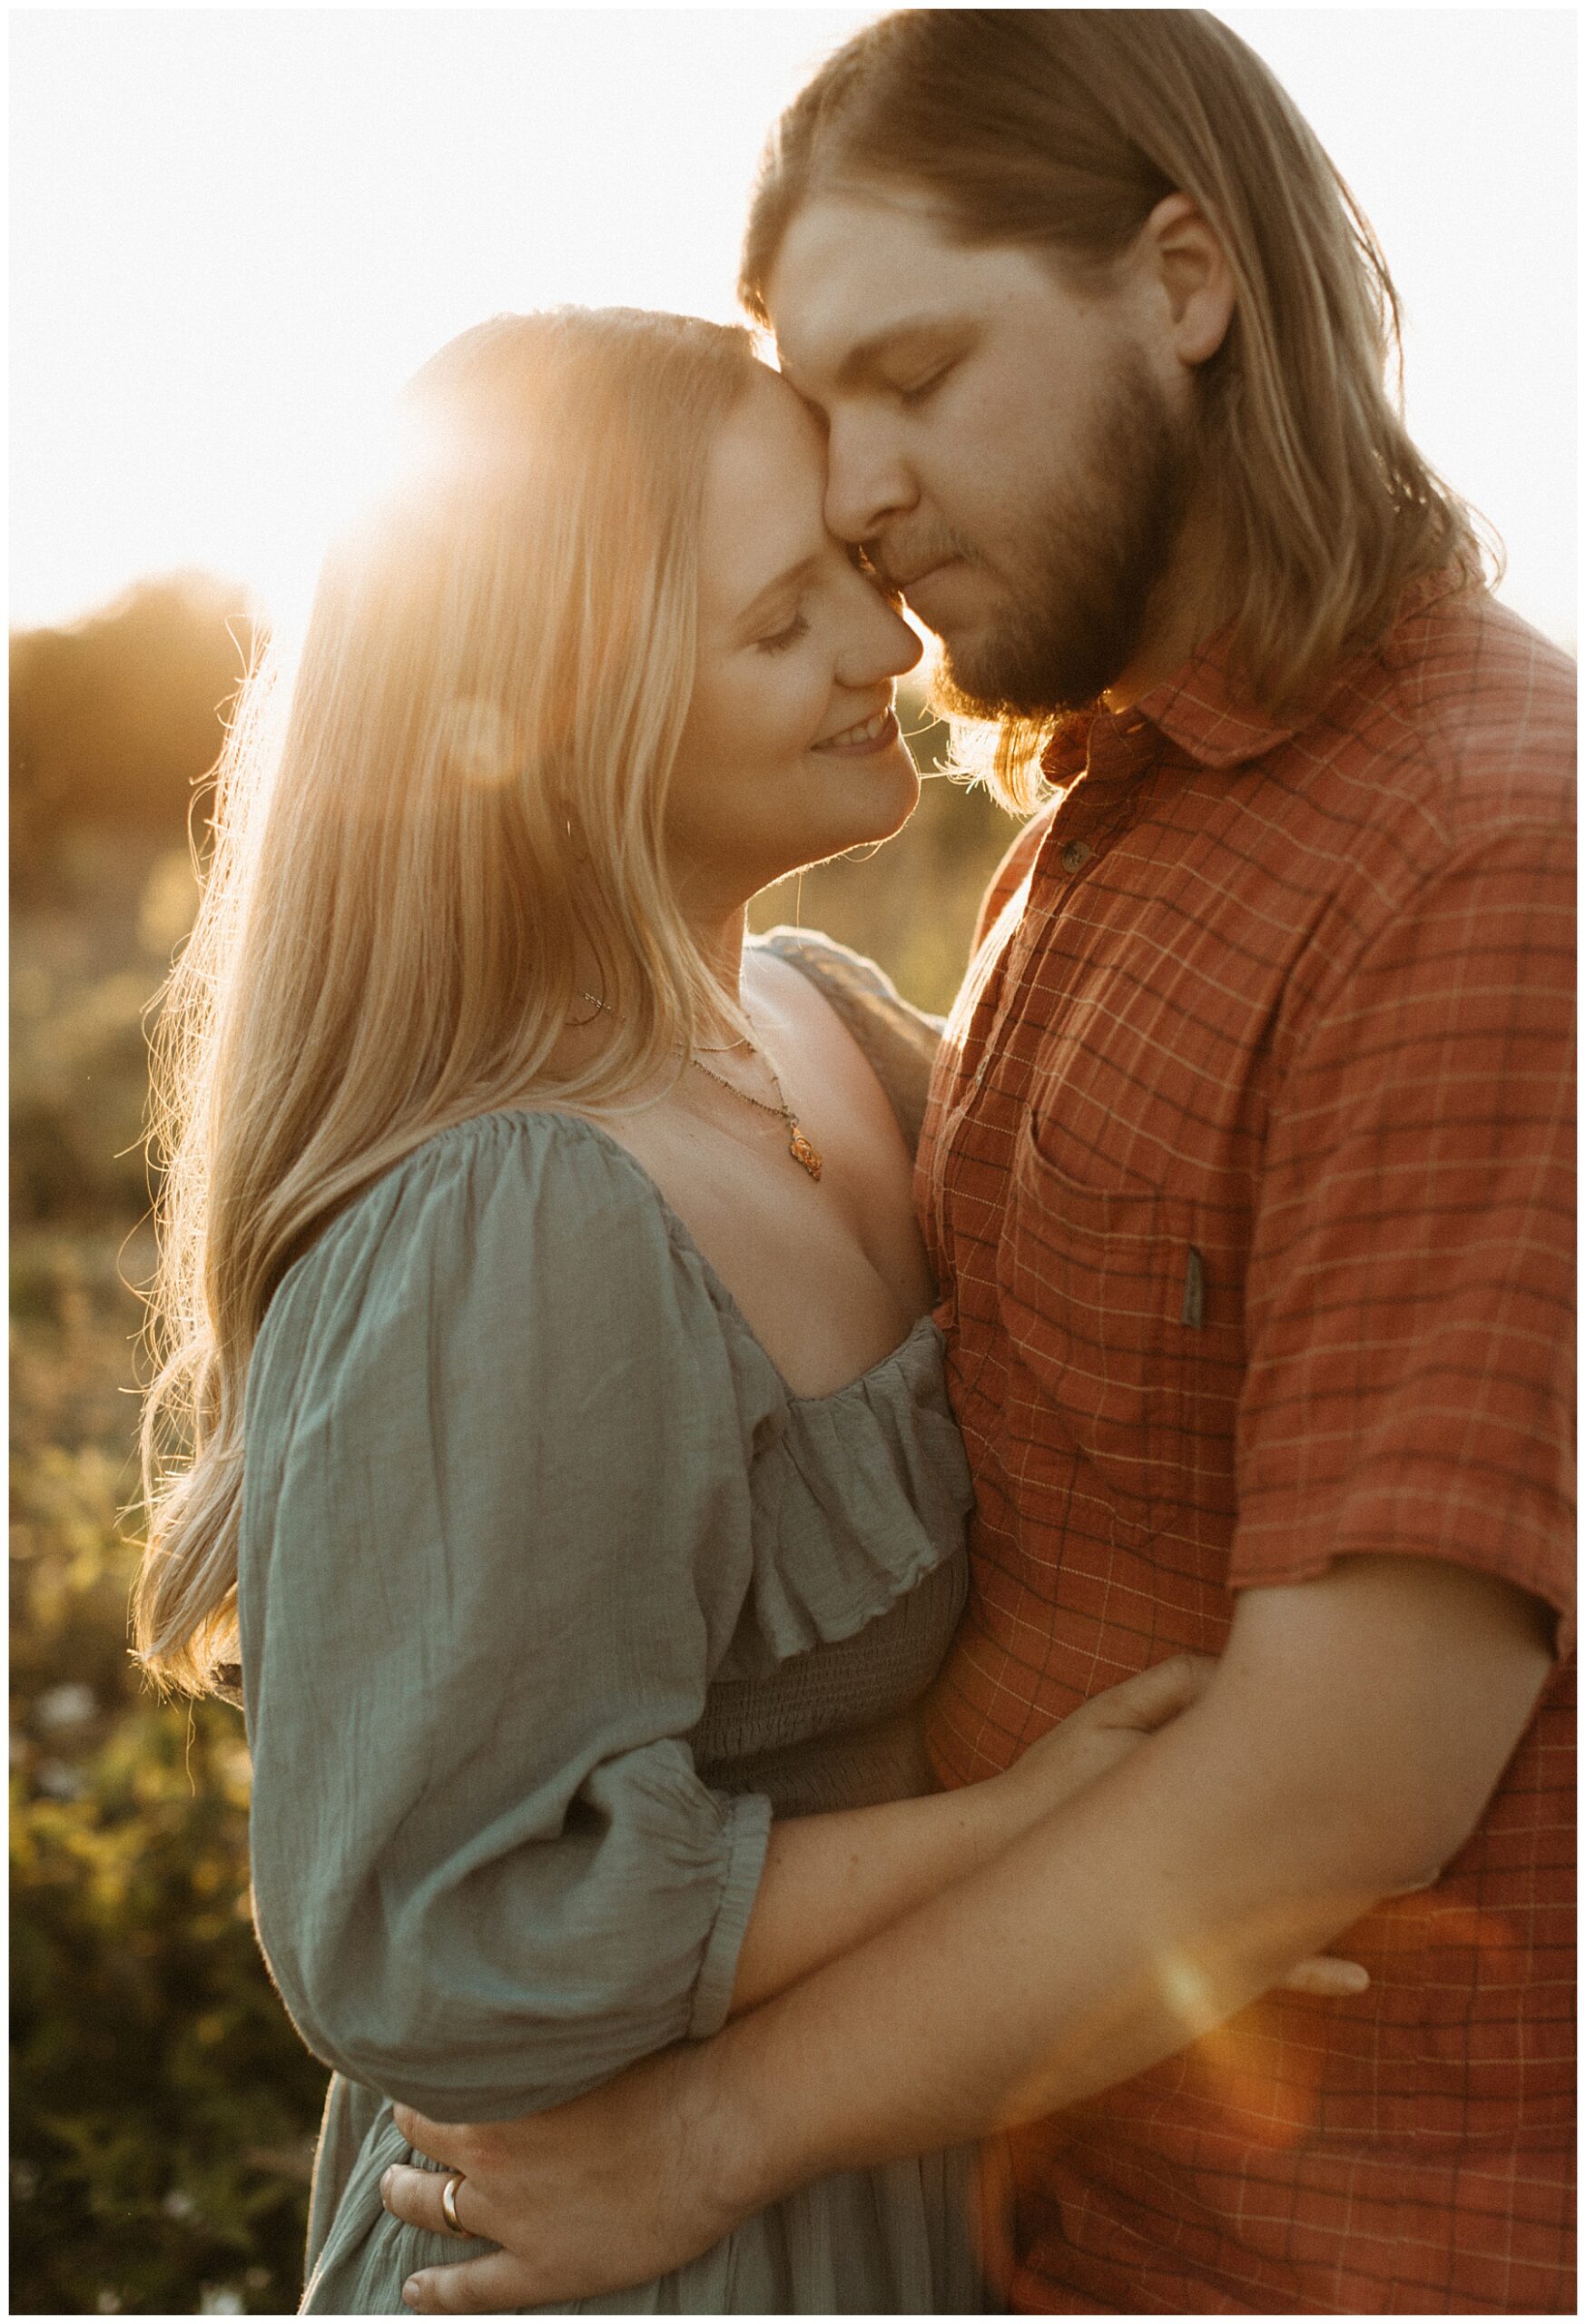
{"points": [[635, 2155], [637, 2178]]}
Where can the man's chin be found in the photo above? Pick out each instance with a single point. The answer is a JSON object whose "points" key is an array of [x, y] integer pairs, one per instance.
{"points": [[967, 682], [988, 675], [979, 670]]}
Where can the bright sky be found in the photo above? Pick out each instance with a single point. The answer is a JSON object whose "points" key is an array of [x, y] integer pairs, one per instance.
{"points": [[236, 230]]}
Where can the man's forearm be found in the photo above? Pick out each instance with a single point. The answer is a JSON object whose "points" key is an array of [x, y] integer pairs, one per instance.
{"points": [[833, 1881], [1346, 1745], [1134, 1918], [1353, 1732]]}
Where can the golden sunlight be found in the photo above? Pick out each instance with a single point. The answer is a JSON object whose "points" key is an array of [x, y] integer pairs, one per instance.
{"points": [[318, 198]]}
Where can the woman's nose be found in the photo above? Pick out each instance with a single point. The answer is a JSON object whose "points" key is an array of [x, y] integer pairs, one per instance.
{"points": [[881, 644]]}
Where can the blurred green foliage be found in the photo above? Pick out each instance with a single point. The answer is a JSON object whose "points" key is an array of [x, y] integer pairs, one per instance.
{"points": [[162, 2110], [114, 718]]}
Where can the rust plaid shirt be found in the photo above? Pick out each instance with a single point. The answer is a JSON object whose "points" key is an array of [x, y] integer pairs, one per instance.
{"points": [[1247, 1174]]}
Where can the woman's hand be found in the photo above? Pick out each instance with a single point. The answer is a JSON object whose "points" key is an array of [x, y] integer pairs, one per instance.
{"points": [[1105, 1731]]}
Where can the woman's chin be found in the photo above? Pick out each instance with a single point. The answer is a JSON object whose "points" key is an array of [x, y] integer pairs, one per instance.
{"points": [[860, 811], [873, 832], [877, 798]]}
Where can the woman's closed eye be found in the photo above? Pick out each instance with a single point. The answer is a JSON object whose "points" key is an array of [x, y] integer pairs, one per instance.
{"points": [[780, 640]]}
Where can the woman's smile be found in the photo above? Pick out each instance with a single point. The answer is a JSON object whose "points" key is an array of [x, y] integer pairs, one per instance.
{"points": [[797, 654], [877, 732]]}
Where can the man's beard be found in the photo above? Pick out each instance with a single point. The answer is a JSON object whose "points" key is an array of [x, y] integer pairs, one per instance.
{"points": [[1100, 548]]}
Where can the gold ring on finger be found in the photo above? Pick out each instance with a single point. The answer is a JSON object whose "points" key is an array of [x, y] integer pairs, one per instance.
{"points": [[448, 2203]]}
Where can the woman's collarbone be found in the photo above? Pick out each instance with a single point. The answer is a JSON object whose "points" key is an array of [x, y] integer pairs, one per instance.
{"points": [[825, 1287]]}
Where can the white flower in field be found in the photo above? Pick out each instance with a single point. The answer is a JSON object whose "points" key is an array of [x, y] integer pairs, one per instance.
{"points": [[59, 1708], [56, 1780]]}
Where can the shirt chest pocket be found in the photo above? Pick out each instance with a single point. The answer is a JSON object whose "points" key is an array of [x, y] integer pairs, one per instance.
{"points": [[1107, 1301]]}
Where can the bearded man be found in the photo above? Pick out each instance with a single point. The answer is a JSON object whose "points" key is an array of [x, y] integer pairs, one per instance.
{"points": [[1247, 1183]]}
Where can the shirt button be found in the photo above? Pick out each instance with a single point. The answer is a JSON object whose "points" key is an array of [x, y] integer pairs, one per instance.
{"points": [[1076, 855]]}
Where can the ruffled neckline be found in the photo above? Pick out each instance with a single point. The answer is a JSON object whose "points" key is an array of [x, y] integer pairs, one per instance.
{"points": [[925, 1327], [856, 1496]]}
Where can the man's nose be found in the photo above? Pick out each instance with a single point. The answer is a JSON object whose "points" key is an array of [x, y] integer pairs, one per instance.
{"points": [[867, 480]]}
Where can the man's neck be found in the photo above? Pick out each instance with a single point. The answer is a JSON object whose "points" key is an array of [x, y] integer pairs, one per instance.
{"points": [[1189, 604]]}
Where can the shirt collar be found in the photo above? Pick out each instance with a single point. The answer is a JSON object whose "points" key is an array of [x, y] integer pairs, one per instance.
{"points": [[1202, 708], [1209, 714]]}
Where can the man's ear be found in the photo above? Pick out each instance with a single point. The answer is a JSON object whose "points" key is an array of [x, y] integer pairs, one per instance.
{"points": [[1188, 263]]}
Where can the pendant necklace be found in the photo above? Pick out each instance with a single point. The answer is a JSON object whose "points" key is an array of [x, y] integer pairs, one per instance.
{"points": [[798, 1145]]}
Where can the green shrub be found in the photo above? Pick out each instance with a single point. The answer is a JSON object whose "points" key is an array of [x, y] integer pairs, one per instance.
{"points": [[162, 2110]]}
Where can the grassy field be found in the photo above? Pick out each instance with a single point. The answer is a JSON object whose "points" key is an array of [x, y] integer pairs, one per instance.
{"points": [[163, 2109]]}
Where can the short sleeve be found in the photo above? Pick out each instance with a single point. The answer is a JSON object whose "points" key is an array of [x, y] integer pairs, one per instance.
{"points": [[1409, 1377], [495, 1538]]}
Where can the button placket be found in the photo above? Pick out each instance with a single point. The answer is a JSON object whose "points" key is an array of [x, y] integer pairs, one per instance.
{"points": [[1065, 857]]}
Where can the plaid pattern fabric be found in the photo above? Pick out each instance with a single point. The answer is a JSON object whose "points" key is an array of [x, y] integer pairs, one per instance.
{"points": [[1248, 1176]]}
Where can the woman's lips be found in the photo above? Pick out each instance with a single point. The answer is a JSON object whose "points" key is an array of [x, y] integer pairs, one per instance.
{"points": [[873, 734]]}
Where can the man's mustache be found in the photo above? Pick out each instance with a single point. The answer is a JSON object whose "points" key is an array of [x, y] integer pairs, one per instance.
{"points": [[897, 564]]}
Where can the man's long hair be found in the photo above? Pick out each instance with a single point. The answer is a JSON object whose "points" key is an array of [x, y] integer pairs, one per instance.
{"points": [[1059, 130]]}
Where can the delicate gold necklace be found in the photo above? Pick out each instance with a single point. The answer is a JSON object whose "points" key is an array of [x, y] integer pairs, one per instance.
{"points": [[803, 1153], [716, 1048], [798, 1145]]}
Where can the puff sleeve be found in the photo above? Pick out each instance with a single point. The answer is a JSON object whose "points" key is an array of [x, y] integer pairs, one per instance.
{"points": [[494, 1538]]}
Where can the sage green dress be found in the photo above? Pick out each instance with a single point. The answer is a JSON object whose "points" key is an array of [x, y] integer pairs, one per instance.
{"points": [[552, 1594]]}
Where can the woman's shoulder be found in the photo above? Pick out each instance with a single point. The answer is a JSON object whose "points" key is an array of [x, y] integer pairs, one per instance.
{"points": [[523, 1202], [839, 970], [900, 1040]]}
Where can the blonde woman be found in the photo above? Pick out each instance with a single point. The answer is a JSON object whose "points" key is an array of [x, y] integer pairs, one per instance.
{"points": [[554, 1426]]}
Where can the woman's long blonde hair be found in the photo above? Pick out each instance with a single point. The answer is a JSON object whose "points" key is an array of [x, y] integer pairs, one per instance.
{"points": [[459, 779], [1060, 129]]}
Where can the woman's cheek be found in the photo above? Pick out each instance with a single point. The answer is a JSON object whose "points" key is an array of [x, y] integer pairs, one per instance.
{"points": [[783, 719]]}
